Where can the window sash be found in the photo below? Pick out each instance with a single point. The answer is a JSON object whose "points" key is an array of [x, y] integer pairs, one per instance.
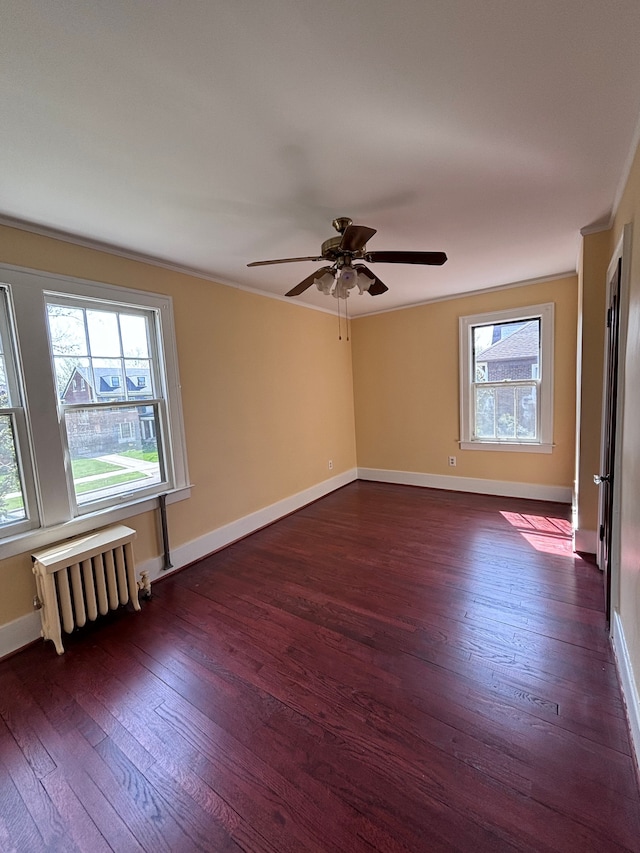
{"points": [[506, 385], [152, 358], [17, 418], [26, 483], [112, 439]]}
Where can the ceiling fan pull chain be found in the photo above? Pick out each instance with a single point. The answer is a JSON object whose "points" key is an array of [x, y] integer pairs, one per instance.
{"points": [[339, 324]]}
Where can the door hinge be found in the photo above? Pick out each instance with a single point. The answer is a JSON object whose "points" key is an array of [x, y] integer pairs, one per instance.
{"points": [[601, 532], [609, 313]]}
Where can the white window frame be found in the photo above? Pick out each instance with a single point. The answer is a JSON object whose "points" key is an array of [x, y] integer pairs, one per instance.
{"points": [[544, 443], [59, 517]]}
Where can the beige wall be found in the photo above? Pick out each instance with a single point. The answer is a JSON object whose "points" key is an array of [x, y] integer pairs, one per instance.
{"points": [[406, 381], [595, 256], [266, 390], [629, 212]]}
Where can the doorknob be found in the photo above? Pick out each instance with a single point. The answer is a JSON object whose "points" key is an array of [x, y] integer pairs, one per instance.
{"points": [[601, 478]]}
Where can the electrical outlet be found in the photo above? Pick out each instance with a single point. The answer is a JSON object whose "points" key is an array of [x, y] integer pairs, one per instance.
{"points": [[453, 461], [331, 464]]}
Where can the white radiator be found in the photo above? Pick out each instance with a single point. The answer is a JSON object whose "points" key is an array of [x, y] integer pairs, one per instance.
{"points": [[83, 578]]}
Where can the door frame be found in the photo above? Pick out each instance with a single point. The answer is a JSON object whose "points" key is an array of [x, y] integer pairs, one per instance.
{"points": [[621, 254]]}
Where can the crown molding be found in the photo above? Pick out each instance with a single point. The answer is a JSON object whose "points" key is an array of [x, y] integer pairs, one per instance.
{"points": [[141, 258], [626, 169], [597, 227], [450, 297]]}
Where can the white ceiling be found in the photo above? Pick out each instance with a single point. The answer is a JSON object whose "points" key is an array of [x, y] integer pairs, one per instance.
{"points": [[212, 134]]}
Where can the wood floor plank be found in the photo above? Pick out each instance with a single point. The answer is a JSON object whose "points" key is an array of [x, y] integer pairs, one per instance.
{"points": [[388, 669]]}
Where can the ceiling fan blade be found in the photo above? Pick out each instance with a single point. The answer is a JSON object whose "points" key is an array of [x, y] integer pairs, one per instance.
{"points": [[431, 258], [355, 237], [282, 261], [308, 281], [376, 287]]}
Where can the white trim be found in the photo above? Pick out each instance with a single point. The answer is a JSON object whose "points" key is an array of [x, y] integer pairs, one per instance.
{"points": [[545, 312], [467, 293], [150, 260], [40, 538], [22, 631], [26, 629], [597, 227], [58, 518], [628, 685], [585, 541], [626, 170], [139, 257], [513, 447], [534, 491]]}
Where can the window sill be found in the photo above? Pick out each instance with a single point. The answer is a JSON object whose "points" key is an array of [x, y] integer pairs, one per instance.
{"points": [[512, 447], [43, 536]]}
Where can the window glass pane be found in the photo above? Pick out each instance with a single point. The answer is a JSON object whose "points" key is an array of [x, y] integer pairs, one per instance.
{"points": [[74, 381], [505, 412], [506, 351], [109, 379], [139, 378], [113, 450], [527, 412], [67, 331], [135, 343], [104, 337], [4, 385], [485, 413], [12, 506]]}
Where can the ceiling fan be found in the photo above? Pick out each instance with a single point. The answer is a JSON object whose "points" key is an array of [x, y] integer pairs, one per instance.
{"points": [[342, 275]]}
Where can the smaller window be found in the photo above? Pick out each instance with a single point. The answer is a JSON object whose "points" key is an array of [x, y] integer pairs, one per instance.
{"points": [[506, 380], [126, 431]]}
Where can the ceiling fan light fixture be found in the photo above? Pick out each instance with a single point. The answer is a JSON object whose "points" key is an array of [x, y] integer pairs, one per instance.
{"points": [[348, 277], [346, 281], [364, 282], [325, 283]]}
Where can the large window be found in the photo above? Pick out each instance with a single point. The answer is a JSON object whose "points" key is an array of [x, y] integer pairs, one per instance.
{"points": [[18, 506], [90, 413], [506, 373], [99, 353]]}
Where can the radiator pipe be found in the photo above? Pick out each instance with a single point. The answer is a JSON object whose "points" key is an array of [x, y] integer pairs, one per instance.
{"points": [[165, 532]]}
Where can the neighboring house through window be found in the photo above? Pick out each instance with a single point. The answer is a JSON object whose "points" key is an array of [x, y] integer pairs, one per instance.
{"points": [[506, 380]]}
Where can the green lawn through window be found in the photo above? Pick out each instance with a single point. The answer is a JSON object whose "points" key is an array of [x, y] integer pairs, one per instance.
{"points": [[93, 485]]}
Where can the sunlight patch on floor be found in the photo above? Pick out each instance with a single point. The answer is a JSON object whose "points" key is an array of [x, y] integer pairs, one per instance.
{"points": [[545, 533]]}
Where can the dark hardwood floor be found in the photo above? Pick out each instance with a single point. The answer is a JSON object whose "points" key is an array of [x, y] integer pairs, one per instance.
{"points": [[391, 668]]}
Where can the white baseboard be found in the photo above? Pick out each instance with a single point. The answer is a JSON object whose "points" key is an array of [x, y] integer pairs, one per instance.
{"points": [[628, 684], [560, 494], [26, 629], [22, 631], [585, 541]]}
